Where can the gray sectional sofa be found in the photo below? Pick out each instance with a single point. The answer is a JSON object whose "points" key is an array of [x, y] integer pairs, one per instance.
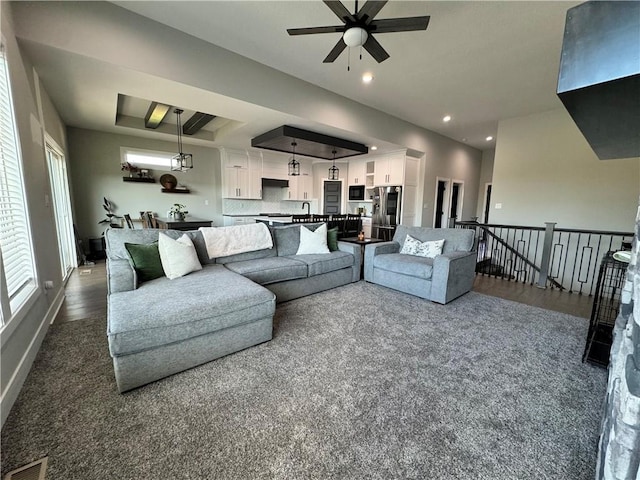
{"points": [[440, 279], [161, 327]]}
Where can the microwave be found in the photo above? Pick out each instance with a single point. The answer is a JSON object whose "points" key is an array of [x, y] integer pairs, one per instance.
{"points": [[356, 193]]}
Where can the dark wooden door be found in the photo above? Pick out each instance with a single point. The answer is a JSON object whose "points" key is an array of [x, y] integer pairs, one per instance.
{"points": [[486, 204], [455, 193], [332, 197]]}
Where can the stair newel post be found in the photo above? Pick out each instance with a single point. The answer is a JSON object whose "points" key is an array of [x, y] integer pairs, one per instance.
{"points": [[546, 254]]}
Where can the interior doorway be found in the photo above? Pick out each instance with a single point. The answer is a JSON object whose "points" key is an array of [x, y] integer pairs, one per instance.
{"points": [[487, 202], [448, 203], [332, 197], [61, 203]]}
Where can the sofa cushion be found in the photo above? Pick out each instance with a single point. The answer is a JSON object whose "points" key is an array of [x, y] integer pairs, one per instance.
{"points": [[287, 237], [313, 242], [456, 239], [240, 257], [332, 239], [145, 259], [411, 265], [165, 311], [269, 270], [421, 249], [178, 257], [320, 263]]}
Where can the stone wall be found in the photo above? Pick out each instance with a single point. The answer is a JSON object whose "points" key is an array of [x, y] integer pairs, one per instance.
{"points": [[619, 449]]}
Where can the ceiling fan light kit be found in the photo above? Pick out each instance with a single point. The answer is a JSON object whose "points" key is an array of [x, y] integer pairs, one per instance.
{"points": [[359, 27]]}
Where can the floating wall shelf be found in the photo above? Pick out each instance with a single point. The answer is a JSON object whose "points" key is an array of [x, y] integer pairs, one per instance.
{"points": [[176, 190], [139, 179]]}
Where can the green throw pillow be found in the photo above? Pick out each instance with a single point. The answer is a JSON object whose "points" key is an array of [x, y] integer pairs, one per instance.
{"points": [[332, 239], [146, 260]]}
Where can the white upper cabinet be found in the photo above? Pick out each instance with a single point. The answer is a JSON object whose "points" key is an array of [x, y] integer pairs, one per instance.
{"points": [[389, 169], [357, 172], [301, 186], [241, 174]]}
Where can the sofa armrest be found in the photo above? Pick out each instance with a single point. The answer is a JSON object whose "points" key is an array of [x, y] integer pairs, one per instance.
{"points": [[374, 249], [354, 249], [453, 275], [121, 276]]}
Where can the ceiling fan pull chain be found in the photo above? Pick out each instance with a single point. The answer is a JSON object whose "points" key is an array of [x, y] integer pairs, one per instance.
{"points": [[349, 60]]}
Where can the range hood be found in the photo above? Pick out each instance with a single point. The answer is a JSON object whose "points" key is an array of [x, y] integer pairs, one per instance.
{"points": [[308, 144], [599, 80], [274, 182]]}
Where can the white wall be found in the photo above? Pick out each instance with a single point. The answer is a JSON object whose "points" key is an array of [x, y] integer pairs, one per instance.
{"points": [[95, 170], [22, 336], [486, 176], [545, 171]]}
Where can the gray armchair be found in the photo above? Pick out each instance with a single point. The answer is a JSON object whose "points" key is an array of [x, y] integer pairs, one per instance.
{"points": [[440, 279]]}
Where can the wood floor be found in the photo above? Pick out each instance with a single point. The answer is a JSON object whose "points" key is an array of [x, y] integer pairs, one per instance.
{"points": [[86, 295]]}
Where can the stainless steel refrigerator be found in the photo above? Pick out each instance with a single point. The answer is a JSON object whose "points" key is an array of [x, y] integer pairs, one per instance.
{"points": [[387, 203]]}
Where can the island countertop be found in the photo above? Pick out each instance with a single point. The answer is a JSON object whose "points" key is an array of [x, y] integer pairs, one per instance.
{"points": [[274, 220]]}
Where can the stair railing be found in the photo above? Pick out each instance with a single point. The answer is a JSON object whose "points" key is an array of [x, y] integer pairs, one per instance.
{"points": [[549, 257]]}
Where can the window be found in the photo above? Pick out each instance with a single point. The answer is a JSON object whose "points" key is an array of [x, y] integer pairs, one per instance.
{"points": [[146, 158], [16, 260]]}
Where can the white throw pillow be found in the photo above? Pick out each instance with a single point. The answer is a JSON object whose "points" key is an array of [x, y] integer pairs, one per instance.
{"points": [[313, 242], [415, 247], [178, 257]]}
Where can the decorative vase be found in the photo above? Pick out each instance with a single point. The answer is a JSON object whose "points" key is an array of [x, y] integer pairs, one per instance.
{"points": [[179, 216]]}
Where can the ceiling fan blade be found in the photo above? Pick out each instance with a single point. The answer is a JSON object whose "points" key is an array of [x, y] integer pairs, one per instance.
{"points": [[375, 49], [340, 10], [312, 30], [337, 50], [399, 24], [370, 10]]}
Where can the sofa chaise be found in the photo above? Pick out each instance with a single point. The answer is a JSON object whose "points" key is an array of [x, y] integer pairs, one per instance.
{"points": [[440, 279], [162, 326]]}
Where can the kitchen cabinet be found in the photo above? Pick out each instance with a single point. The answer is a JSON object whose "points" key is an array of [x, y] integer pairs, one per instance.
{"points": [[240, 220], [241, 174], [301, 186], [357, 172], [389, 169]]}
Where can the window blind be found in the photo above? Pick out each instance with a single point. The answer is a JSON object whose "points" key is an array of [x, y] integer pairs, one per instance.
{"points": [[14, 226]]}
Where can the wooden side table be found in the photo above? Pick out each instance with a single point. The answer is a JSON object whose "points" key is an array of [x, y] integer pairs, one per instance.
{"points": [[363, 244]]}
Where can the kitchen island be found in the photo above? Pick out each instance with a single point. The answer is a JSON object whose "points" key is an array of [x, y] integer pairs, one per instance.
{"points": [[274, 221]]}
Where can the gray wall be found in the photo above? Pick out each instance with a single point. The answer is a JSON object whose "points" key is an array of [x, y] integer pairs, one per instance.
{"points": [[22, 337], [486, 176], [545, 171], [95, 170]]}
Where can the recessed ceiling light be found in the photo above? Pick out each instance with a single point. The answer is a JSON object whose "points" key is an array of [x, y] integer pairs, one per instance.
{"points": [[367, 77], [446, 118], [373, 147], [489, 138], [464, 139]]}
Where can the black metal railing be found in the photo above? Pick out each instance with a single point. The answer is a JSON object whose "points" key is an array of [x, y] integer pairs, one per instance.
{"points": [[547, 256]]}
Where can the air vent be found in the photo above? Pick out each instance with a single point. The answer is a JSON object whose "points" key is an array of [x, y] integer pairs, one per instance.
{"points": [[33, 471]]}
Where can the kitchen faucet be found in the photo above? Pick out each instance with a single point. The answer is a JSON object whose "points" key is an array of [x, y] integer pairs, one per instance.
{"points": [[308, 207]]}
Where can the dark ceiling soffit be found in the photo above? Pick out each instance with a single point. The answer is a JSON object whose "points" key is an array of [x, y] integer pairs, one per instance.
{"points": [[196, 122], [156, 114], [308, 144]]}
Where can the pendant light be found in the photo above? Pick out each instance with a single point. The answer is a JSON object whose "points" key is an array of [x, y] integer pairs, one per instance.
{"points": [[182, 162], [334, 172], [294, 165]]}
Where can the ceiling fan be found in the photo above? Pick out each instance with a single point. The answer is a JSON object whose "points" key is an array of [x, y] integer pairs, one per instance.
{"points": [[359, 27]]}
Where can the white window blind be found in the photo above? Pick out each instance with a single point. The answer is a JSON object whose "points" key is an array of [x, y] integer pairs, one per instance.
{"points": [[15, 241]]}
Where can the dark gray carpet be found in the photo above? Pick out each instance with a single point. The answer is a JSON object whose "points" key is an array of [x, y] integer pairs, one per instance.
{"points": [[358, 382]]}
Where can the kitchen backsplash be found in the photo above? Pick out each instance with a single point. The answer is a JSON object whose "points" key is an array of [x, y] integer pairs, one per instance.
{"points": [[271, 203]]}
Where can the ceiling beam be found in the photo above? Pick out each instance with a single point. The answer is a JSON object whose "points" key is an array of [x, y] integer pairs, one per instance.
{"points": [[196, 122], [155, 115]]}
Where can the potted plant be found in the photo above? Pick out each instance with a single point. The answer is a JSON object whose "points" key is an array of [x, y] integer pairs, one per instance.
{"points": [[178, 211], [129, 167], [112, 218]]}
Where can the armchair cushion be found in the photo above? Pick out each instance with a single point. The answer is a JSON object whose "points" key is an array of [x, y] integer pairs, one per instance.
{"points": [[412, 265]]}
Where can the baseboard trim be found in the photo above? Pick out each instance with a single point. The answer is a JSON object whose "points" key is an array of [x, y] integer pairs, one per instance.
{"points": [[10, 393]]}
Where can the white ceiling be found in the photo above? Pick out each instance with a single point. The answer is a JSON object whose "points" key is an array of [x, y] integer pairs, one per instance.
{"points": [[478, 61]]}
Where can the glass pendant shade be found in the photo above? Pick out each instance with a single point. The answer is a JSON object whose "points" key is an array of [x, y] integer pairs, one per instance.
{"points": [[182, 162], [294, 165]]}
